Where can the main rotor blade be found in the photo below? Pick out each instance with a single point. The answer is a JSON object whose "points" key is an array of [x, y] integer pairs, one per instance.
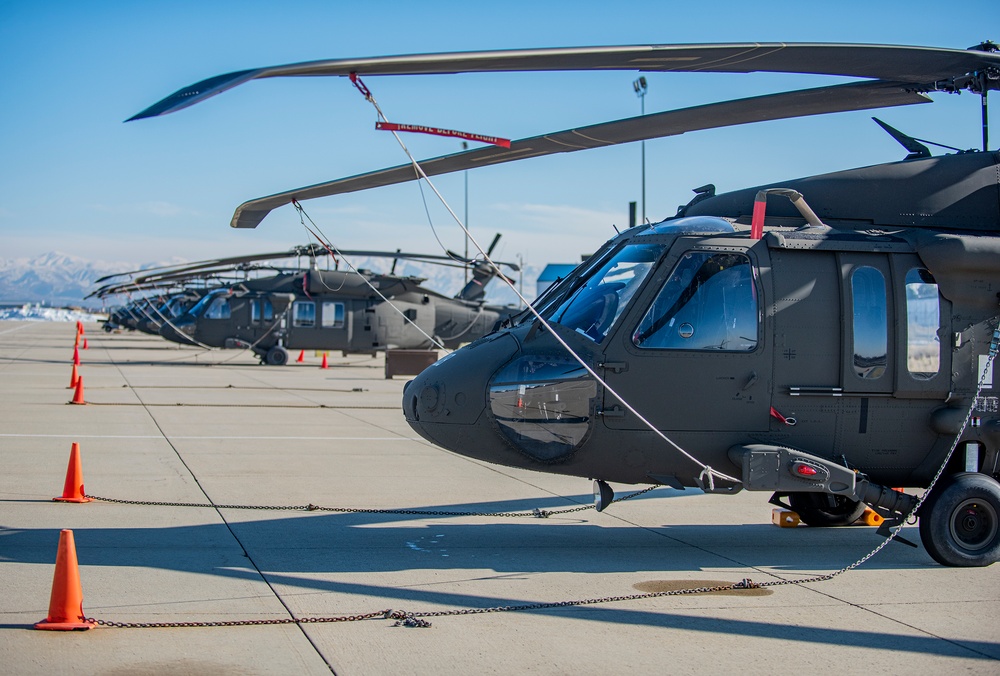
{"points": [[297, 251], [915, 65], [245, 263], [838, 98]]}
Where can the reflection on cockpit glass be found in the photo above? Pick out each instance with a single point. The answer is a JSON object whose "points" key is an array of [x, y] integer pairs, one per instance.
{"points": [[709, 302], [599, 301]]}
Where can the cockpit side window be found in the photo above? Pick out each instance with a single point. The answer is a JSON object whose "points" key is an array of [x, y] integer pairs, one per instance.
{"points": [[709, 302], [219, 309], [594, 307], [199, 308]]}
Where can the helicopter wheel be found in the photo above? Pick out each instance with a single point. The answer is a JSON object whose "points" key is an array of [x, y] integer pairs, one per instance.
{"points": [[960, 521], [823, 509], [276, 356]]}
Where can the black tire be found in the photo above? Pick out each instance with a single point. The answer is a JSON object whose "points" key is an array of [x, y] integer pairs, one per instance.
{"points": [[823, 509], [276, 356], [960, 521]]}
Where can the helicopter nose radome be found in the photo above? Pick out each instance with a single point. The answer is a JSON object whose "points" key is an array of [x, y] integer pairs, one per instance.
{"points": [[178, 332], [449, 398]]}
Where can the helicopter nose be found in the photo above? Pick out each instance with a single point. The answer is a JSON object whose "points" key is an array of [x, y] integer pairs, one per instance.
{"points": [[447, 400], [178, 331]]}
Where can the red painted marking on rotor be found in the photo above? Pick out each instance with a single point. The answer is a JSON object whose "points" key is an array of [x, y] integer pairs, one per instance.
{"points": [[360, 85], [757, 224], [421, 129]]}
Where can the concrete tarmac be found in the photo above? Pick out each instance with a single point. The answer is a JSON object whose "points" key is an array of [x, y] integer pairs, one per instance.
{"points": [[173, 424]]}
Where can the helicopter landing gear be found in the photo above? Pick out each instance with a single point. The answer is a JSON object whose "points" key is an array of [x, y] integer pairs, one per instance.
{"points": [[276, 356], [824, 509], [960, 521]]}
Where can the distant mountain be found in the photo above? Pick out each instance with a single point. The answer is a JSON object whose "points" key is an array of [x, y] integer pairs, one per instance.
{"points": [[55, 279], [61, 280]]}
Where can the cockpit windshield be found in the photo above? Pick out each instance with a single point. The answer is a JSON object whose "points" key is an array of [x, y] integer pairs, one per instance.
{"points": [[601, 297], [200, 306]]}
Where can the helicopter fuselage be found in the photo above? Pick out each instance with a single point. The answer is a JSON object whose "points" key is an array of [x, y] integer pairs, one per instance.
{"points": [[330, 310], [857, 348]]}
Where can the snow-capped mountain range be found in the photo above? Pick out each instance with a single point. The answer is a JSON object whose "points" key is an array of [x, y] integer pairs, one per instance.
{"points": [[61, 280], [57, 279]]}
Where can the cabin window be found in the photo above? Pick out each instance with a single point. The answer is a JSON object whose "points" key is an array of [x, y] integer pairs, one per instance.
{"points": [[255, 306], [871, 329], [333, 315], [219, 309], [709, 302], [304, 313], [594, 307], [923, 316]]}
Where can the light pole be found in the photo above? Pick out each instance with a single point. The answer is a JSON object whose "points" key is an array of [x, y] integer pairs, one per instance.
{"points": [[640, 90]]}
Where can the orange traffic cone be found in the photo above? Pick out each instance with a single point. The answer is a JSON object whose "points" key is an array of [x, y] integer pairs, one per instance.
{"points": [[302, 356], [66, 602], [325, 364], [73, 487], [84, 343], [73, 378], [78, 395], [79, 325], [76, 355]]}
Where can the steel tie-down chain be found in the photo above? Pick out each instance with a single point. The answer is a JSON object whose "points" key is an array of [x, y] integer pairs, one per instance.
{"points": [[534, 513]]}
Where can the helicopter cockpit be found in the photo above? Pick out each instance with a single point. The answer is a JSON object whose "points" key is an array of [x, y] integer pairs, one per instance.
{"points": [[601, 297], [544, 404], [709, 301], [213, 306]]}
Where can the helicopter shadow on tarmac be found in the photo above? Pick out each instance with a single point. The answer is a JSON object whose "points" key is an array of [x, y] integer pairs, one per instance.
{"points": [[326, 542], [291, 551]]}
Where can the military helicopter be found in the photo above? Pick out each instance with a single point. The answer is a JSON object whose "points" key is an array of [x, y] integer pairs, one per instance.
{"points": [[158, 297], [825, 345], [143, 314], [353, 311]]}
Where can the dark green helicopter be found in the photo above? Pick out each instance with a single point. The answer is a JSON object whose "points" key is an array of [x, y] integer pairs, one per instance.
{"points": [[156, 296], [353, 311], [148, 313], [825, 345]]}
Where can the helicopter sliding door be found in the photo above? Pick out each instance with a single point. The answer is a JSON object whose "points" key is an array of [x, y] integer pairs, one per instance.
{"points": [[320, 324], [894, 370], [262, 318], [333, 324], [692, 352], [894, 317]]}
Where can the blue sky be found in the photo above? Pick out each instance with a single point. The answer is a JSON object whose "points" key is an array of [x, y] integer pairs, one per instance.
{"points": [[75, 178]]}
